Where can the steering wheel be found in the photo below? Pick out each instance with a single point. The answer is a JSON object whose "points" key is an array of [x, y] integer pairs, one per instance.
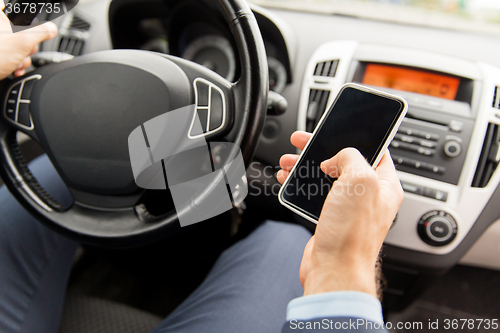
{"points": [[82, 112]]}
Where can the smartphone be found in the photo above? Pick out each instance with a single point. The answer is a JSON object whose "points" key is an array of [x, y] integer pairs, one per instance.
{"points": [[360, 117]]}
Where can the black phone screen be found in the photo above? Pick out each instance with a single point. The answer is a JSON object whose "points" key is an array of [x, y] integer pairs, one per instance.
{"points": [[358, 119]]}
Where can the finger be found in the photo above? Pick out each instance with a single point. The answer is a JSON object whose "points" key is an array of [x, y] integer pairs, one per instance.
{"points": [[299, 139], [282, 175], [19, 72], [39, 33], [26, 63], [288, 161], [34, 50], [386, 169], [347, 160]]}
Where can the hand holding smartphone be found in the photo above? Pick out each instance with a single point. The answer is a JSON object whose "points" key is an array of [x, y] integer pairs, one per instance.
{"points": [[360, 117]]}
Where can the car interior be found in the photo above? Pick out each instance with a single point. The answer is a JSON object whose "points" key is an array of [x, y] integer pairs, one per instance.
{"points": [[441, 258]]}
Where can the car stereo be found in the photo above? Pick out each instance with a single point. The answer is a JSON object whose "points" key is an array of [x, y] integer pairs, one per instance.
{"points": [[433, 139]]}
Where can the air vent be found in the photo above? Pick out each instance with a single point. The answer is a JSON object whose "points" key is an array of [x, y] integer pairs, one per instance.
{"points": [[74, 36], [326, 68], [496, 98], [490, 156], [77, 23], [318, 100], [72, 45]]}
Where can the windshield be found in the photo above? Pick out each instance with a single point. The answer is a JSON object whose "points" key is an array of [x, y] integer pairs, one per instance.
{"points": [[481, 16]]}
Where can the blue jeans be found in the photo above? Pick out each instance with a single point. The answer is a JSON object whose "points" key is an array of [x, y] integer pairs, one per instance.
{"points": [[247, 290]]}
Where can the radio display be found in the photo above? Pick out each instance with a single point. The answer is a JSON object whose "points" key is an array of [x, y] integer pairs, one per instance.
{"points": [[412, 80]]}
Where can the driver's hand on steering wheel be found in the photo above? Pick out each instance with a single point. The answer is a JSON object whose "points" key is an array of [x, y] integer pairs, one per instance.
{"points": [[15, 49], [355, 219]]}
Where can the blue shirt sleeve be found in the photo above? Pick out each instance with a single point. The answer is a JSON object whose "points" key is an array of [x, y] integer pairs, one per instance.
{"points": [[353, 304]]}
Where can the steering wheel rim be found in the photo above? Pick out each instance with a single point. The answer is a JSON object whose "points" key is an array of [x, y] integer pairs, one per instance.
{"points": [[135, 226]]}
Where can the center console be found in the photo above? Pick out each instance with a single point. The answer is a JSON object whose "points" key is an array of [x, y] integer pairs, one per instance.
{"points": [[447, 148]]}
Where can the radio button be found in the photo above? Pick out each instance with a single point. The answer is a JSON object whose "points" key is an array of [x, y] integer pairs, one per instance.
{"points": [[427, 136], [433, 168], [434, 104], [406, 131], [456, 126], [426, 152], [435, 194], [452, 148], [405, 138], [411, 188], [428, 144], [398, 159], [395, 144]]}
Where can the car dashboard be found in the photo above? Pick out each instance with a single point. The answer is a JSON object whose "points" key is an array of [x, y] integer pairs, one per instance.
{"points": [[446, 151]]}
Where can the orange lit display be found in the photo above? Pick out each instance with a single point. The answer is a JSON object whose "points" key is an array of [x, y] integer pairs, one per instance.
{"points": [[411, 80]]}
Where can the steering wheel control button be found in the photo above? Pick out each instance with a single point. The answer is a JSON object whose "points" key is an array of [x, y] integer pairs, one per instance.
{"points": [[210, 109], [437, 228], [202, 93], [18, 102], [203, 118], [14, 93], [11, 113], [452, 148], [27, 88], [216, 110], [23, 116]]}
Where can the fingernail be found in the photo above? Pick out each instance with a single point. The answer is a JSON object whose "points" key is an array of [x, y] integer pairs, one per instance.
{"points": [[19, 72]]}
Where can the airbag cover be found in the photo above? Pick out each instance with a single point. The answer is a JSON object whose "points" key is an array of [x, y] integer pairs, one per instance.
{"points": [[84, 114]]}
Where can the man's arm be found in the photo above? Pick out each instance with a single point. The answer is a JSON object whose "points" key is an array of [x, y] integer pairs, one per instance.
{"points": [[340, 259]]}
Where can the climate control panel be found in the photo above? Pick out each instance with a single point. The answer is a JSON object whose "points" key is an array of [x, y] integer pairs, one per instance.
{"points": [[437, 228]]}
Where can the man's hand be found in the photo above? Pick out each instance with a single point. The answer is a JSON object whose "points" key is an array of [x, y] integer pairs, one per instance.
{"points": [[15, 49], [355, 219]]}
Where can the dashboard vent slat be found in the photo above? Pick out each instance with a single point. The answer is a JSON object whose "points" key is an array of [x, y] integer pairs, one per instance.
{"points": [[71, 45], [326, 68], [318, 101], [77, 23], [73, 38], [496, 98], [490, 155]]}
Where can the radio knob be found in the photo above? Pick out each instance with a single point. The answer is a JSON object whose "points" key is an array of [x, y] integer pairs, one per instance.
{"points": [[437, 228], [452, 148]]}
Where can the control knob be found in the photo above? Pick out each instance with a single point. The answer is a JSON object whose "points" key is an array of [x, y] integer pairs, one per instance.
{"points": [[437, 228], [452, 148]]}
